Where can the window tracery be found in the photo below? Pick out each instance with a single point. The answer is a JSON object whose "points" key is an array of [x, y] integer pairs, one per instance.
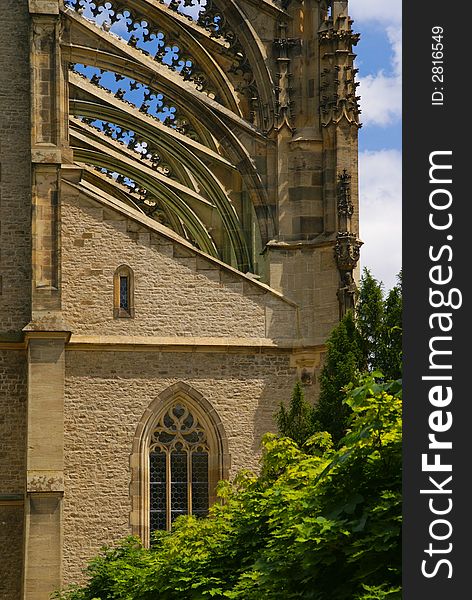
{"points": [[180, 452], [178, 466]]}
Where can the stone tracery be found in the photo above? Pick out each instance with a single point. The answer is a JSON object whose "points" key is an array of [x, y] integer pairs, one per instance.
{"points": [[178, 35], [138, 23], [178, 454], [147, 33], [148, 100]]}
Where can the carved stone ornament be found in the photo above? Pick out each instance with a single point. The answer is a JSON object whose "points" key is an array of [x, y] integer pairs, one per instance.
{"points": [[338, 83], [345, 206], [347, 250], [43, 35], [283, 90], [347, 294], [45, 481], [307, 376], [343, 35]]}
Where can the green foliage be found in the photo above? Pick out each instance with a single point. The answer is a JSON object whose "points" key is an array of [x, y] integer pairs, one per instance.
{"points": [[323, 525], [369, 319], [379, 321], [296, 421], [389, 356], [343, 363], [372, 341]]}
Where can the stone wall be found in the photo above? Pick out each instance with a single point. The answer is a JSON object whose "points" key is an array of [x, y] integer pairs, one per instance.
{"points": [[106, 395], [178, 292], [15, 269], [15, 178], [12, 421], [11, 542], [12, 469], [311, 276]]}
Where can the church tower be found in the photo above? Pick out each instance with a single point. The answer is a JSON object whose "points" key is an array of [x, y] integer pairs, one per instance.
{"points": [[178, 237]]}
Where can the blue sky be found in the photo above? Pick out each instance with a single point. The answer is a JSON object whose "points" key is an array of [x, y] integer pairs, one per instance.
{"points": [[379, 63]]}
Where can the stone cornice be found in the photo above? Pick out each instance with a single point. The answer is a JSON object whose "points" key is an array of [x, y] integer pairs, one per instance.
{"points": [[12, 346], [123, 343], [11, 499], [43, 7]]}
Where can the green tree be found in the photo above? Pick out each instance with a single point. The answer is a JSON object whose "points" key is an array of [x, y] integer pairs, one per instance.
{"points": [[370, 312], [296, 421], [343, 364], [323, 525], [389, 356], [370, 341]]}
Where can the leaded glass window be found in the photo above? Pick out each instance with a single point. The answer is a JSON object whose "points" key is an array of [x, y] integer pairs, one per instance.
{"points": [[178, 465], [124, 292]]}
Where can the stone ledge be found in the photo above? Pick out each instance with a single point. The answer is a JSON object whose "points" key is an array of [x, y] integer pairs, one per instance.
{"points": [[12, 499], [43, 7], [47, 322], [46, 156], [126, 343], [321, 241]]}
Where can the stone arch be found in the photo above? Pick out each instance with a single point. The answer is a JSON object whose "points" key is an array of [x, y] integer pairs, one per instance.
{"points": [[219, 453], [256, 54], [176, 33]]}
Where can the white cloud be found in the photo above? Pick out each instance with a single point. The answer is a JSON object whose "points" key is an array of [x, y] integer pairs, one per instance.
{"points": [[395, 38], [381, 99], [382, 93], [380, 191], [382, 11]]}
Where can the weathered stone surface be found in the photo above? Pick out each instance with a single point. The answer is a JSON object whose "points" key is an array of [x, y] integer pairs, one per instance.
{"points": [[11, 540], [12, 421], [45, 481], [106, 395], [174, 295], [15, 165]]}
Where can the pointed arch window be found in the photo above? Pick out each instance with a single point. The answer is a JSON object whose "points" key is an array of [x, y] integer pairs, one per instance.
{"points": [[123, 293], [178, 467], [180, 452]]}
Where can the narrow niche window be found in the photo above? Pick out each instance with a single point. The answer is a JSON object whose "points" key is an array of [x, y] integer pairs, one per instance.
{"points": [[123, 293], [178, 467]]}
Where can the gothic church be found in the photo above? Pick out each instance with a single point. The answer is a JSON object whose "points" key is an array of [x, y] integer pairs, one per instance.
{"points": [[178, 237]]}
